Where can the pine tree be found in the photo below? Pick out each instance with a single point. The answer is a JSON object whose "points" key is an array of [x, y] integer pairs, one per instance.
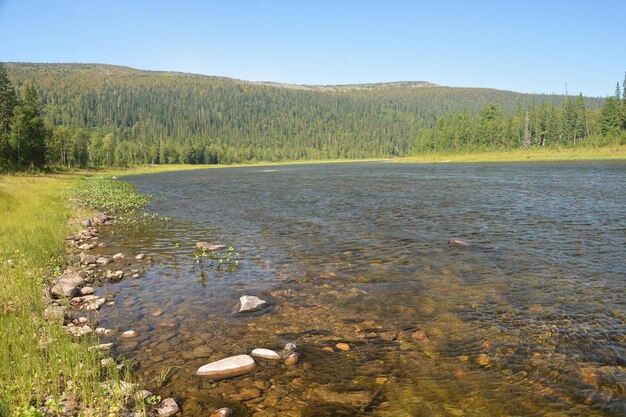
{"points": [[8, 100], [609, 117], [28, 135], [618, 92]]}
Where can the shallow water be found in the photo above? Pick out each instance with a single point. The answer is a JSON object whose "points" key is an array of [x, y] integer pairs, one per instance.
{"points": [[528, 320]]}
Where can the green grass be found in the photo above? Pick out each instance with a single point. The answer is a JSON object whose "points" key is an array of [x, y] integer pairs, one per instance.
{"points": [[39, 363], [615, 152]]}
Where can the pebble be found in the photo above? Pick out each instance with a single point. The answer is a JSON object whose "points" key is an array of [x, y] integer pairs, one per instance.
{"points": [[156, 313], [129, 333], [101, 331], [102, 261], [265, 354], [228, 367], [328, 349], [115, 275], [292, 359], [140, 257], [222, 412], [457, 242], [168, 408], [107, 362], [343, 346], [87, 291], [118, 256]]}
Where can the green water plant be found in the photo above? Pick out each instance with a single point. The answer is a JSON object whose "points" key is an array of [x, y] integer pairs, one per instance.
{"points": [[110, 195]]}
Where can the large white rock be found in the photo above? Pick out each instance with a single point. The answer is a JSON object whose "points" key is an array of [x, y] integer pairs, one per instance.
{"points": [[265, 354], [66, 286], [250, 303], [228, 367]]}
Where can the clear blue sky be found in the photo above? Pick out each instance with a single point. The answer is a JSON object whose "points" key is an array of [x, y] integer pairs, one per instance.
{"points": [[528, 46]]}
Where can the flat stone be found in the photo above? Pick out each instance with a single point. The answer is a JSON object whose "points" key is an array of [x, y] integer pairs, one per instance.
{"points": [[265, 354], [87, 246], [102, 260], [118, 256], [228, 367], [249, 303], [457, 242], [156, 313], [167, 408], [209, 247], [140, 257], [129, 334], [202, 351], [101, 346], [87, 291], [66, 286], [101, 331], [247, 394]]}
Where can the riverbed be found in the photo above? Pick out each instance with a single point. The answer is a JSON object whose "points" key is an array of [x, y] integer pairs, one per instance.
{"points": [[527, 319]]}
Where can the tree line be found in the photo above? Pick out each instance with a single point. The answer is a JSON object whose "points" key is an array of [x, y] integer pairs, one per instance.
{"points": [[78, 115], [539, 124]]}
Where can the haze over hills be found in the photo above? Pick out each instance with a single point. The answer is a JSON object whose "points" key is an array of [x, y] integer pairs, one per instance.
{"points": [[161, 115]]}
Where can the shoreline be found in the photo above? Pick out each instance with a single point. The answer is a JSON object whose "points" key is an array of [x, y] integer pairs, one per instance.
{"points": [[608, 153]]}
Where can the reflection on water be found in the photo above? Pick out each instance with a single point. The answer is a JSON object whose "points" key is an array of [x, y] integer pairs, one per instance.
{"points": [[527, 320]]}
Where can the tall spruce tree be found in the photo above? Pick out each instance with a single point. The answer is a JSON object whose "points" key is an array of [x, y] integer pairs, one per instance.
{"points": [[28, 135]]}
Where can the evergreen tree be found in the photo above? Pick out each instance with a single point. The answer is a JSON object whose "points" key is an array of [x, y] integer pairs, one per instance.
{"points": [[29, 135], [8, 100], [609, 117], [526, 142]]}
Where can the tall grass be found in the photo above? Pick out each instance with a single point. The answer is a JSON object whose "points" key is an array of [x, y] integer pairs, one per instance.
{"points": [[39, 363]]}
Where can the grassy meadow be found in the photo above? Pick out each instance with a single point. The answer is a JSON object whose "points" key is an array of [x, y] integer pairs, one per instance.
{"points": [[39, 363]]}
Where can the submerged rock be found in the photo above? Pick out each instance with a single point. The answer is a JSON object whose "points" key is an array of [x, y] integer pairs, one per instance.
{"points": [[457, 242], [118, 256], [343, 346], [140, 257], [249, 303], [265, 354], [202, 351], [292, 359], [228, 367], [129, 334], [222, 412], [167, 408], [66, 286], [209, 247]]}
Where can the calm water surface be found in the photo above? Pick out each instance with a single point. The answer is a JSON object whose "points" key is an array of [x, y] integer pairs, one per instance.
{"points": [[528, 320]]}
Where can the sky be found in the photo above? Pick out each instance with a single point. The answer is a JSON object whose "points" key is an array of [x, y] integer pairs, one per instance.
{"points": [[526, 46]]}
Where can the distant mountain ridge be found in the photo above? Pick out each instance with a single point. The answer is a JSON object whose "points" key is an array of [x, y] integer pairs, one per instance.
{"points": [[181, 113]]}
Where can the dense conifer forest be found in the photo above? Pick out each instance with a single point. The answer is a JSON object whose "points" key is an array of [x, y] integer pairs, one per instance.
{"points": [[79, 115]]}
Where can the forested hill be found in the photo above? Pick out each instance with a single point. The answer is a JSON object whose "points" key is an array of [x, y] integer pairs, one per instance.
{"points": [[164, 117]]}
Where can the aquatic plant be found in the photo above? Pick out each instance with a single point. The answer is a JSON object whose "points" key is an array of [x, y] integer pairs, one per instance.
{"points": [[227, 261], [110, 195]]}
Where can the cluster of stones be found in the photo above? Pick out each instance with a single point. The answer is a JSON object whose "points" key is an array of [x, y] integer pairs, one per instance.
{"points": [[73, 291]]}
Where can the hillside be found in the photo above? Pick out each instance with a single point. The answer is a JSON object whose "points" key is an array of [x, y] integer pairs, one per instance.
{"points": [[179, 117]]}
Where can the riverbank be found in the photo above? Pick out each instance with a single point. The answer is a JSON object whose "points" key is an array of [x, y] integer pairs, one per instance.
{"points": [[47, 368], [616, 152]]}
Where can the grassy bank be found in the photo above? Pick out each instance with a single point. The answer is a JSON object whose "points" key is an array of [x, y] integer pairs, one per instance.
{"points": [[40, 364], [616, 152]]}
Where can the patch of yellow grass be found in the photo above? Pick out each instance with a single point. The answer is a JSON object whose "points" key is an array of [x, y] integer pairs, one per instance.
{"points": [[616, 152]]}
